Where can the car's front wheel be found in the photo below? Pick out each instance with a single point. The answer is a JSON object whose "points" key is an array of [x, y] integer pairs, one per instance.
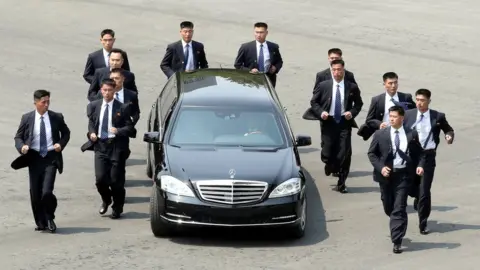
{"points": [[298, 230], [160, 228]]}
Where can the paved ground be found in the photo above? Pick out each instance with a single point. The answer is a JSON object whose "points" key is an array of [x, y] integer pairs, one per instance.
{"points": [[431, 44]]}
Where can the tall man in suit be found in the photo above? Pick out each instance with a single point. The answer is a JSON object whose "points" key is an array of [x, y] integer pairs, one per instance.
{"points": [[377, 116], [260, 55], [40, 139], [336, 103], [116, 61], [124, 95], [428, 123], [185, 54], [395, 154], [100, 58], [109, 129]]}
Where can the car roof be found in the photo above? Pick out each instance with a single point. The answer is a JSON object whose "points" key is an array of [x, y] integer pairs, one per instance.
{"points": [[224, 87]]}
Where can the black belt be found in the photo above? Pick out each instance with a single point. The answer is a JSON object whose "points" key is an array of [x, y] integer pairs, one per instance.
{"points": [[399, 170], [107, 141], [429, 151]]}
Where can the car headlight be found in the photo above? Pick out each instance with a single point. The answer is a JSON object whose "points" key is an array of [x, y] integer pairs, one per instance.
{"points": [[287, 188], [172, 185]]}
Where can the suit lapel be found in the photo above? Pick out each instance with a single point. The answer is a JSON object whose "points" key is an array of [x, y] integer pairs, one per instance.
{"points": [[115, 112], [98, 109], [329, 95], [195, 54], [347, 93], [31, 125], [433, 119], [381, 105], [180, 52]]}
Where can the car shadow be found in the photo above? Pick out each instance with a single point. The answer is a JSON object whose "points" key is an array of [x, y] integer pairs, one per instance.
{"points": [[316, 229], [134, 200], [135, 162], [79, 230]]}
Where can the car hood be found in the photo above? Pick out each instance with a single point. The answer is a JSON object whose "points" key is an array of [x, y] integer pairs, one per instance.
{"points": [[211, 164]]}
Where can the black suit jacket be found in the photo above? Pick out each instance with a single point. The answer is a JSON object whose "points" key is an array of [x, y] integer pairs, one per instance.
{"points": [[104, 73], [438, 121], [96, 60], [24, 136], [380, 153], [121, 120], [174, 58], [377, 110], [247, 58], [131, 99], [322, 100]]}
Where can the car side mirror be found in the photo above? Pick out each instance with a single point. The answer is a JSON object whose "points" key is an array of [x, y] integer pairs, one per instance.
{"points": [[152, 137], [303, 140]]}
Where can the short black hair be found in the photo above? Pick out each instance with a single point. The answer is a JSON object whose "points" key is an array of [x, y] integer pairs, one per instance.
{"points": [[107, 32], [117, 50], [338, 61], [390, 75], [40, 93], [117, 70], [108, 82], [423, 92], [186, 24], [260, 25], [335, 51], [399, 109]]}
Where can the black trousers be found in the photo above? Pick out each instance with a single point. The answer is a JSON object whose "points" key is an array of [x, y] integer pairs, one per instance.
{"points": [[42, 172], [110, 173], [421, 188], [336, 151], [394, 195]]}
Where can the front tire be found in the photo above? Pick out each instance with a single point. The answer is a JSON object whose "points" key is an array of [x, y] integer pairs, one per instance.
{"points": [[160, 228]]}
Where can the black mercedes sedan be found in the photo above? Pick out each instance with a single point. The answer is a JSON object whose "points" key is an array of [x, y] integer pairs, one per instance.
{"points": [[221, 152]]}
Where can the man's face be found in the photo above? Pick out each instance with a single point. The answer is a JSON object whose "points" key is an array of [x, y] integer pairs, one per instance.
{"points": [[118, 78], [422, 102], [338, 71], [260, 34], [42, 104], [334, 56], [107, 42], [107, 92], [187, 34], [396, 120], [391, 85], [116, 60]]}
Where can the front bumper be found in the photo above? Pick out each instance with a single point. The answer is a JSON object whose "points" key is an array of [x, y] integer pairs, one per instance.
{"points": [[186, 211]]}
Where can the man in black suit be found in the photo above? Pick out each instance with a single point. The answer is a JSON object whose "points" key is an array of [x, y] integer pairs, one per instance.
{"points": [[377, 116], [326, 74], [124, 95], [428, 123], [99, 59], [336, 103], [395, 154], [260, 55], [111, 120], [116, 61], [185, 54], [40, 139]]}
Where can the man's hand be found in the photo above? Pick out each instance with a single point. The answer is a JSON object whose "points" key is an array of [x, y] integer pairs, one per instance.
{"points": [[272, 70], [420, 171], [386, 171], [254, 70], [383, 125], [324, 115], [348, 115], [57, 147], [113, 130], [25, 149], [93, 137], [449, 139]]}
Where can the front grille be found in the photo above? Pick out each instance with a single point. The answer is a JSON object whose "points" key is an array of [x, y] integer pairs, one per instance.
{"points": [[231, 191]]}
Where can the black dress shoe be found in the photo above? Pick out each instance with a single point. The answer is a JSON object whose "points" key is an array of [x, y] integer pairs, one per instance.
{"points": [[103, 208], [342, 189], [397, 249], [52, 227], [335, 174], [116, 214], [40, 228], [424, 231], [327, 171]]}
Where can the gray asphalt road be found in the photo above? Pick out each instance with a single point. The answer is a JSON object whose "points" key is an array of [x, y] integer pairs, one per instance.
{"points": [[44, 44]]}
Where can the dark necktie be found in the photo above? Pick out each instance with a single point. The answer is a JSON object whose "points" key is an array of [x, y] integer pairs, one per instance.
{"points": [[186, 53], [397, 141], [108, 60], [117, 96], [43, 138], [338, 105], [396, 103], [104, 131], [261, 60], [419, 120]]}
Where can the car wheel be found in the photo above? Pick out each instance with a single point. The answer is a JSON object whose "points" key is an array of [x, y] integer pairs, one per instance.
{"points": [[160, 227], [298, 231], [149, 170]]}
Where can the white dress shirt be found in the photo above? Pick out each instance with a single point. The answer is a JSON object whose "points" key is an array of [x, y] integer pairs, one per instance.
{"points": [[106, 57], [36, 132], [266, 55], [423, 128], [120, 96], [388, 105], [102, 110], [190, 65], [397, 162], [334, 97]]}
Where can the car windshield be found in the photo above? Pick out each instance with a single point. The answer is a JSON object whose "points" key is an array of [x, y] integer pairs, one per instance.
{"points": [[208, 126]]}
